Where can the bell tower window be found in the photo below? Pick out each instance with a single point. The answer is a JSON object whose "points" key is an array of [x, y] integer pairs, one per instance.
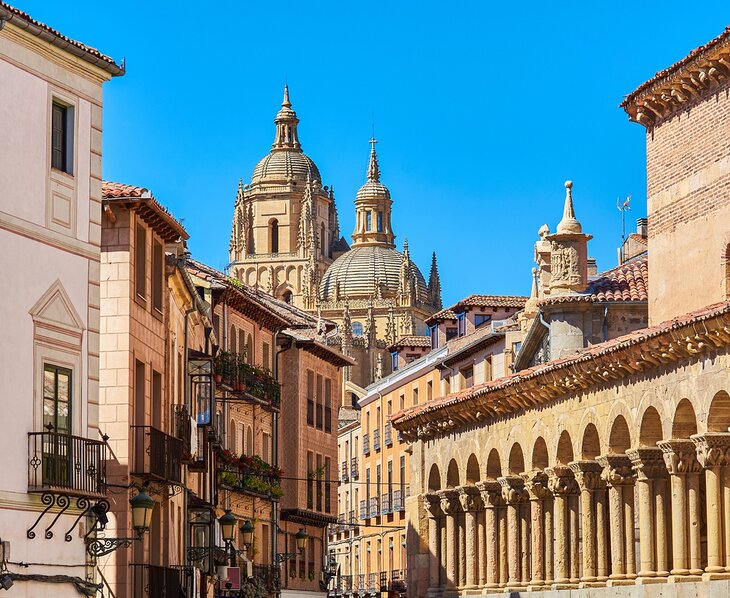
{"points": [[274, 236], [368, 221], [380, 222]]}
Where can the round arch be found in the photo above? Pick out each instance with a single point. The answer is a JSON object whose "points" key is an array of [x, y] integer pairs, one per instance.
{"points": [[619, 440], [434, 478], [591, 445], [565, 449], [452, 474], [494, 467], [650, 431], [516, 462], [718, 416], [472, 470], [540, 454], [684, 423]]}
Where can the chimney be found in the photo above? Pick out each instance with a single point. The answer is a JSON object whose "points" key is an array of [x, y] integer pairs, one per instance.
{"points": [[592, 267], [642, 226]]}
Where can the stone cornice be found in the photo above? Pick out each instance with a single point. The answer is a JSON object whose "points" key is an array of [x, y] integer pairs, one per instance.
{"points": [[701, 73], [685, 337]]}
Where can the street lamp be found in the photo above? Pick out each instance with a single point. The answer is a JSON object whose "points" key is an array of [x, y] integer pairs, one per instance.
{"points": [[142, 505], [301, 540], [247, 529], [228, 522]]}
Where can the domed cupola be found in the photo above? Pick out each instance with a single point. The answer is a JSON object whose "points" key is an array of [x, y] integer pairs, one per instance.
{"points": [[286, 162], [373, 208]]}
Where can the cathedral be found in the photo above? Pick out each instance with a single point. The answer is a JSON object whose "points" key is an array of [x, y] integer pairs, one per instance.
{"points": [[286, 240]]}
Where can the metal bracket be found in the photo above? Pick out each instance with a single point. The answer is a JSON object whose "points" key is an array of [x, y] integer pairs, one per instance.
{"points": [[49, 500], [101, 546], [62, 501], [83, 504]]}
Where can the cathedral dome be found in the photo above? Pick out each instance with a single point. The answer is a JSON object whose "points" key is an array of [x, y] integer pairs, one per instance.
{"points": [[357, 273], [281, 166], [373, 190]]}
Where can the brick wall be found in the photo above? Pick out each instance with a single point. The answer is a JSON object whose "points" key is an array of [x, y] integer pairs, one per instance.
{"points": [[688, 200]]}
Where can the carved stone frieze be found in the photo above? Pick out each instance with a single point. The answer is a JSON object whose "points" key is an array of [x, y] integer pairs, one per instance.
{"points": [[713, 448], [536, 484], [491, 494]]}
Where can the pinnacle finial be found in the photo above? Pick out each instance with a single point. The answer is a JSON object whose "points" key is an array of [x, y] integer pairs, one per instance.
{"points": [[406, 251], [533, 293], [373, 168], [569, 223], [285, 102]]}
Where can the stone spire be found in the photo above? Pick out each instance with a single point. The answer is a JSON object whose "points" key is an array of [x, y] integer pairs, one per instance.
{"points": [[569, 223], [434, 284], [391, 334], [286, 126], [373, 168], [407, 282]]}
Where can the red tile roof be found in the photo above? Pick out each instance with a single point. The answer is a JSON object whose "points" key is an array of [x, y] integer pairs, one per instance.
{"points": [[23, 20], [411, 341], [671, 70], [627, 282], [492, 301], [588, 358], [151, 210]]}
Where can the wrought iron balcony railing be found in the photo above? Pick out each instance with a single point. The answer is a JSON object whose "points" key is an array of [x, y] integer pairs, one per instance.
{"points": [[351, 518], [183, 430], [354, 472], [242, 378], [257, 477], [398, 501], [383, 581], [268, 575], [346, 581], [376, 439], [385, 504], [345, 472], [363, 509], [64, 464], [366, 444], [373, 582], [361, 582], [162, 582], [397, 581], [157, 455], [373, 506]]}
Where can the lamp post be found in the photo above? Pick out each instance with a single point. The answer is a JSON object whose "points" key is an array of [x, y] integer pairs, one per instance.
{"points": [[142, 505], [301, 540]]}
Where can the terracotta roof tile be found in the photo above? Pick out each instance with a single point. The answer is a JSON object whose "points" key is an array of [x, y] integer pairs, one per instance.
{"points": [[492, 301], [111, 190], [25, 21], [588, 354], [411, 341], [627, 282]]}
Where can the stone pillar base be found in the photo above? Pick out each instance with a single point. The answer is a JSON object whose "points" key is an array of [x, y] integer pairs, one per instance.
{"points": [[649, 579], [612, 583], [537, 585], [564, 586], [683, 578], [715, 575], [515, 588], [592, 584]]}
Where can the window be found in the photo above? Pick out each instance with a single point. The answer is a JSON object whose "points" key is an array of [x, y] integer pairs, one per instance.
{"points": [[403, 477], [433, 332], [310, 398], [232, 339], [319, 483], [266, 452], [402, 402], [274, 236], [57, 398], [327, 486], [249, 441], [488, 369], [357, 329], [415, 397], [429, 390], [158, 260], [394, 361], [480, 319], [461, 323], [310, 480], [380, 222], [390, 484], [328, 405], [368, 221], [467, 377], [157, 400], [265, 356], [319, 402], [140, 260], [62, 120], [322, 241], [451, 333]]}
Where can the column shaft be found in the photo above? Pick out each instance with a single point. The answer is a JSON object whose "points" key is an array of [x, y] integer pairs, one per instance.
{"points": [[481, 548], [661, 506], [538, 542], [713, 497], [561, 539], [503, 541], [629, 536], [589, 536], [601, 535], [549, 541], [693, 522]]}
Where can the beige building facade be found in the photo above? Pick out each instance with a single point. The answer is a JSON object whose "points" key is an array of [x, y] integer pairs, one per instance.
{"points": [[50, 233], [599, 463]]}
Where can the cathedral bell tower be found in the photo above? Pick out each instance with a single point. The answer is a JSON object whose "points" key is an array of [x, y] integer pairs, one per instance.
{"points": [[373, 208]]}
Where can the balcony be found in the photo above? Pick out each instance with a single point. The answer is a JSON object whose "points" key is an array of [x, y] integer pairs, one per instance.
{"points": [[398, 501], [385, 504], [351, 518], [162, 582], [345, 473], [246, 380], [354, 472], [157, 455], [397, 581], [183, 430], [363, 510], [376, 439], [373, 506], [249, 475], [366, 444], [63, 464], [346, 584], [373, 586], [361, 583], [383, 581], [388, 434]]}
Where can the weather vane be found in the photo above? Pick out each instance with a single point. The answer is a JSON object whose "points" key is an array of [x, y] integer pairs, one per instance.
{"points": [[623, 207]]}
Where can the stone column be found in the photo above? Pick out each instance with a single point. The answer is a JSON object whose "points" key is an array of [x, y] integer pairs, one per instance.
{"points": [[712, 450], [680, 457], [648, 464], [549, 513], [562, 485], [619, 477], [602, 533], [494, 542], [503, 558], [471, 504], [514, 495], [482, 548], [451, 508], [588, 476], [537, 491], [432, 504], [460, 549]]}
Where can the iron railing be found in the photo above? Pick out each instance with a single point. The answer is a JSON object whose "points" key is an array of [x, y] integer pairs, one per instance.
{"points": [[183, 430], [385, 504], [345, 472], [363, 509], [162, 582], [353, 468], [383, 581], [361, 582], [397, 581], [346, 584], [366, 444], [60, 463], [376, 439], [250, 480], [351, 518], [157, 455], [373, 582], [387, 433], [243, 378], [397, 501], [269, 576], [373, 506]]}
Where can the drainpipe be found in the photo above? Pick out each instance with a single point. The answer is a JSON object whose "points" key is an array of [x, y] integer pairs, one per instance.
{"points": [[275, 448]]}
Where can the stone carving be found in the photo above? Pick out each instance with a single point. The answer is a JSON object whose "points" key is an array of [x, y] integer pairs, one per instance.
{"points": [[564, 263], [513, 490], [588, 475], [617, 470], [561, 480], [432, 504], [536, 484], [647, 462], [491, 493], [450, 503], [470, 498], [713, 449], [680, 456]]}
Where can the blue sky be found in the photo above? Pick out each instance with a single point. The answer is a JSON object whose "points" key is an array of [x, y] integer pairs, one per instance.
{"points": [[482, 110]]}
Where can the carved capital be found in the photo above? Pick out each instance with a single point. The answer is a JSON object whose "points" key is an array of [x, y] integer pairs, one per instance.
{"points": [[432, 504], [470, 498], [491, 494], [536, 485], [450, 504], [647, 462], [680, 456], [561, 480], [713, 448], [617, 470], [513, 489], [588, 475]]}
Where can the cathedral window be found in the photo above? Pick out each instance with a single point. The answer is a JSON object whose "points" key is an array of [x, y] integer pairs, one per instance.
{"points": [[274, 236], [357, 329], [368, 221], [380, 222], [394, 358]]}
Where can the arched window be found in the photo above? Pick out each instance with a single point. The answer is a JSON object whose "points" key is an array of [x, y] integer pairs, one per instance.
{"points": [[357, 329], [232, 444], [249, 350], [249, 441], [286, 297], [274, 236]]}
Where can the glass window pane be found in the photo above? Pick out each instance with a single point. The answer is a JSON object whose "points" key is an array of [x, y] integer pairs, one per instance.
{"points": [[49, 384], [64, 386]]}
